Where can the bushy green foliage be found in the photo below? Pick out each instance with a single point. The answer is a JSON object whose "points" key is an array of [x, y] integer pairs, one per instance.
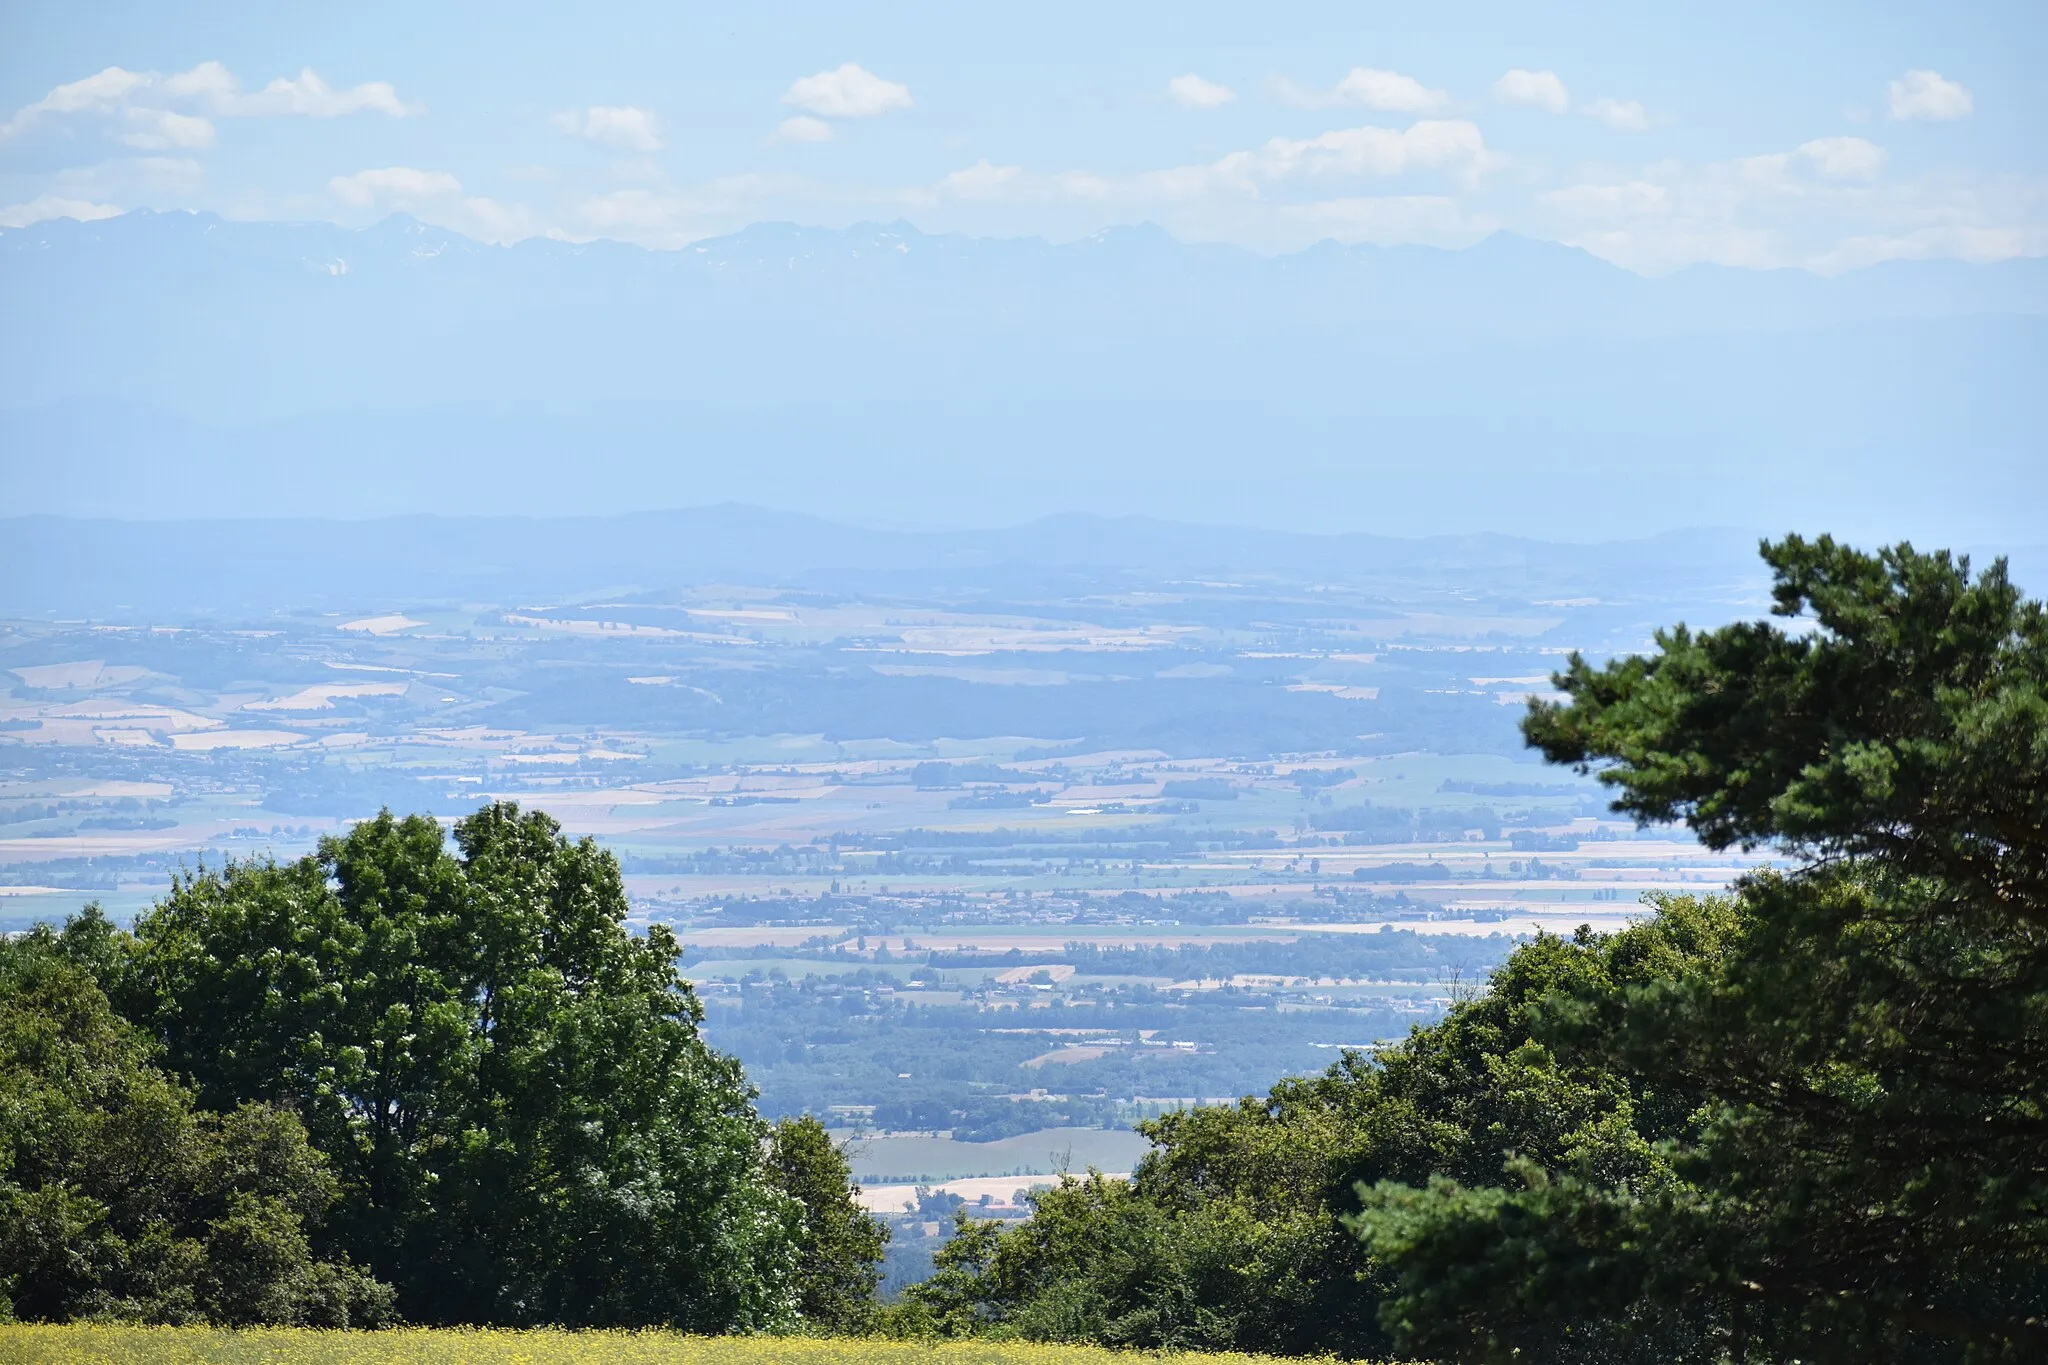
{"points": [[1907, 726], [1867, 1176], [118, 1199], [841, 1256], [1231, 1233]]}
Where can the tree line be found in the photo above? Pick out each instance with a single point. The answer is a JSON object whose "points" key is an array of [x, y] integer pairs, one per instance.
{"points": [[1807, 1119]]}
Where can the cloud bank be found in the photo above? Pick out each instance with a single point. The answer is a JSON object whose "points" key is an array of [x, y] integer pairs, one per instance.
{"points": [[151, 110], [1421, 164]]}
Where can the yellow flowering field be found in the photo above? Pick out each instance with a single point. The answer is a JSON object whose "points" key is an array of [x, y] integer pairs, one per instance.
{"points": [[89, 1345]]}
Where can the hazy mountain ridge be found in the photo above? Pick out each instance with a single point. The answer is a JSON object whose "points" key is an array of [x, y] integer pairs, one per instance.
{"points": [[1503, 286], [884, 374], [58, 564]]}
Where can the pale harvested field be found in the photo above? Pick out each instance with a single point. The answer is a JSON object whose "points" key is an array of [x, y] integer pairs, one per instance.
{"points": [[85, 673], [1001, 1189], [382, 625], [1065, 1055], [322, 696], [238, 739]]}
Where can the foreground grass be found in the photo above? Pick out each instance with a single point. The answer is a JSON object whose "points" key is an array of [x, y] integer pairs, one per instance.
{"points": [[33, 1345]]}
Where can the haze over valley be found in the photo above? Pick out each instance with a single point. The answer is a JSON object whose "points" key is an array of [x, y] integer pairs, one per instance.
{"points": [[805, 685], [1080, 764]]}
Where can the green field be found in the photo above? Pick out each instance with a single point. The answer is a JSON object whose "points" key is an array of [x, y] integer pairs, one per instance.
{"points": [[420, 1346]]}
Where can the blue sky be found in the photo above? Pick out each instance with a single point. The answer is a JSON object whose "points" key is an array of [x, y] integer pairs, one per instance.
{"points": [[1827, 136]]}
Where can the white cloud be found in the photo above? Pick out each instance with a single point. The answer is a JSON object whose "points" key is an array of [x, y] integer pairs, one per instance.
{"points": [[100, 93], [982, 181], [105, 91], [1624, 116], [312, 97], [1927, 95], [620, 125], [1426, 145], [850, 91], [398, 185], [987, 182], [48, 206], [1828, 205], [1295, 165], [1370, 88], [210, 84], [1956, 242], [1844, 158], [803, 128], [161, 129], [486, 219], [1387, 90], [1192, 92], [158, 111], [1541, 89], [435, 197], [1789, 174]]}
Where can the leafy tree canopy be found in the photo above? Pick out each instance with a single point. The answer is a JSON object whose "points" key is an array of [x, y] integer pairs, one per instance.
{"points": [[119, 1199], [841, 1258], [1907, 721], [525, 1121]]}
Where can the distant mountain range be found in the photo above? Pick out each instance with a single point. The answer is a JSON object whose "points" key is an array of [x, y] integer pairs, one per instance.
{"points": [[177, 364], [165, 570]]}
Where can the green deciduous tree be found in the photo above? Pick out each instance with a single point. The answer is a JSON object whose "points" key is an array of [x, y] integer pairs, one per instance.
{"points": [[513, 1090], [119, 1200], [841, 1259]]}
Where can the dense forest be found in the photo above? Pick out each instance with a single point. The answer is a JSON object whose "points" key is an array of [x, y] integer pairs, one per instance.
{"points": [[1807, 1119]]}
